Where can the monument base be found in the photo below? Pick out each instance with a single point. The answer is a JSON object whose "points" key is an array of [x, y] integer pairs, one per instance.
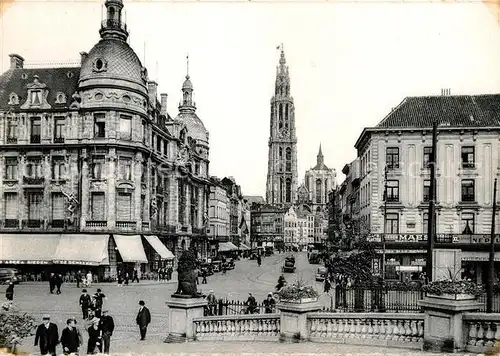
{"points": [[293, 320], [181, 312]]}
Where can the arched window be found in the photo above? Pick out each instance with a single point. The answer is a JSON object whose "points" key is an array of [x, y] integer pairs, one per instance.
{"points": [[280, 113], [111, 13], [280, 159], [288, 188], [288, 159], [318, 191], [280, 193], [286, 113], [183, 245]]}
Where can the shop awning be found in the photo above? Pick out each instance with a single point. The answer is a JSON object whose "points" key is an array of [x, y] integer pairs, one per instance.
{"points": [[227, 246], [244, 247], [130, 248], [28, 248], [159, 247], [80, 249]]}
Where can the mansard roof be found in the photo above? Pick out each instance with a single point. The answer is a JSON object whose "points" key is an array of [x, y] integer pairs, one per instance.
{"points": [[58, 80]]}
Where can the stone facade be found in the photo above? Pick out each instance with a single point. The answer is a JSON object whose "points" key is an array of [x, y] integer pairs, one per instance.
{"points": [[319, 180], [91, 149]]}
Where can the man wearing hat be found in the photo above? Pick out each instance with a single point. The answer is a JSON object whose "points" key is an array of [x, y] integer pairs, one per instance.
{"points": [[85, 303], [143, 319], [98, 297], [212, 302], [107, 325], [48, 336]]}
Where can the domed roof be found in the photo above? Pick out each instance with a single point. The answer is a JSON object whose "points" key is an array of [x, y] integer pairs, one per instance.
{"points": [[194, 125], [187, 83], [113, 58]]}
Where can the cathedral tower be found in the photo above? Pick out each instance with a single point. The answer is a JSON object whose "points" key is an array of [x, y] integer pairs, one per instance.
{"points": [[282, 182]]}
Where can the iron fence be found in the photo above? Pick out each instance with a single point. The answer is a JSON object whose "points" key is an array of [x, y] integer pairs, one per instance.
{"points": [[231, 307]]}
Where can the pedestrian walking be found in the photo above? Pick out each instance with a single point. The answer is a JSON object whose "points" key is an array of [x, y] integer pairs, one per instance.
{"points": [[47, 336], [126, 278], [212, 303], [95, 338], [204, 273], [89, 279], [78, 279], [85, 303], [70, 338], [107, 326], [135, 277], [143, 319], [9, 292], [259, 260], [99, 301], [58, 282], [269, 303], [52, 283]]}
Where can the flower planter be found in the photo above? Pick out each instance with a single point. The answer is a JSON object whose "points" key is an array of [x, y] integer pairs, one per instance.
{"points": [[459, 296], [300, 301]]}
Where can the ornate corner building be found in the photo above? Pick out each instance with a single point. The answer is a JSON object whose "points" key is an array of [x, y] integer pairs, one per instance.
{"points": [[93, 170]]}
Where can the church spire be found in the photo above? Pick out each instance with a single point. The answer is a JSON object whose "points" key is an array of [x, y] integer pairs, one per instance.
{"points": [[282, 76], [113, 26], [319, 157], [187, 103]]}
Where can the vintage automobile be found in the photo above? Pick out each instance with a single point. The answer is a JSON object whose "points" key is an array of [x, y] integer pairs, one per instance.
{"points": [[321, 274], [229, 264], [289, 265], [9, 274], [217, 266], [314, 258], [269, 251], [206, 267]]}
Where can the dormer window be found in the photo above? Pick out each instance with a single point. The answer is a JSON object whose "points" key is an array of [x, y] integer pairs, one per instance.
{"points": [[13, 99], [60, 98], [36, 97], [99, 65]]}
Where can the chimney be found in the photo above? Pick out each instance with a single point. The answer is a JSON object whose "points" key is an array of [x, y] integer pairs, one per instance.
{"points": [[83, 57], [16, 61], [152, 88], [164, 97]]}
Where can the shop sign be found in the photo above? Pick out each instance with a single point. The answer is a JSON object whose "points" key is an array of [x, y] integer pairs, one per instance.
{"points": [[84, 263], [12, 262]]}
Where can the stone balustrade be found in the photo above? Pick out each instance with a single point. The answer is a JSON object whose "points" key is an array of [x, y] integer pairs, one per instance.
{"points": [[264, 327], [482, 331], [378, 329]]}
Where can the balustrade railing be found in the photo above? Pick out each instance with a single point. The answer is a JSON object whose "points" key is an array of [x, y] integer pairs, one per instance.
{"points": [[378, 329], [482, 331], [126, 224], [238, 327], [96, 223]]}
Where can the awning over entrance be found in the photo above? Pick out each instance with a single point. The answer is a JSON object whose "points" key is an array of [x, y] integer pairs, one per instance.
{"points": [[244, 247], [227, 246], [78, 249], [130, 248], [159, 247], [28, 248]]}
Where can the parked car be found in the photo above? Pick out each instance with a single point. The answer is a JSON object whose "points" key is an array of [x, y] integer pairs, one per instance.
{"points": [[269, 251], [229, 264], [216, 266], [9, 274], [321, 274], [206, 267], [289, 265], [314, 258]]}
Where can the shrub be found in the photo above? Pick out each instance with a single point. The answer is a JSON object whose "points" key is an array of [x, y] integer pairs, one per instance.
{"points": [[297, 291], [14, 326]]}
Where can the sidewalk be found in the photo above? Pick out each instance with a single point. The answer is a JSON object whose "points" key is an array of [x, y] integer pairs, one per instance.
{"points": [[145, 282], [270, 348]]}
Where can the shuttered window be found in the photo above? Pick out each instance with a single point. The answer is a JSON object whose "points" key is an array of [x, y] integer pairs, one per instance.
{"points": [[35, 206], [11, 207], [144, 216], [57, 206], [98, 207], [123, 207]]}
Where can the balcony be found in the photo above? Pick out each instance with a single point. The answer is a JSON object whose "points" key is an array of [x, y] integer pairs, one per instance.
{"points": [[468, 165], [113, 24], [57, 224], [58, 139], [11, 139], [33, 180], [33, 223], [145, 225], [184, 228], [11, 223], [126, 224], [35, 139], [96, 223]]}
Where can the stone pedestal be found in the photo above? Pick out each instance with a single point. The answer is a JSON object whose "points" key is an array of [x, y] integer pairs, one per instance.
{"points": [[443, 329], [293, 319], [181, 312]]}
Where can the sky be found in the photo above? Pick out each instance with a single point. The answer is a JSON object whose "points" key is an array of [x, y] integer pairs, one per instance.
{"points": [[349, 63]]}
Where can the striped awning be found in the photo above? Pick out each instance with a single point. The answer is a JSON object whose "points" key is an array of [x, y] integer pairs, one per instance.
{"points": [[159, 247], [130, 248], [227, 246], [82, 249], [28, 248]]}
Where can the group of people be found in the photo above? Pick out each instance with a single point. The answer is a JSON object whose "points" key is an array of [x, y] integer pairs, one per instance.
{"points": [[99, 331], [100, 328], [55, 281], [91, 305], [124, 277]]}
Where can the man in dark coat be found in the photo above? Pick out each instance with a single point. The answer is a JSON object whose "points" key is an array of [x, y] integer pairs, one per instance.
{"points": [[143, 319], [107, 325], [95, 337], [85, 302], [78, 279], [135, 277], [9, 292], [70, 340], [58, 282], [48, 336], [52, 282], [98, 297]]}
